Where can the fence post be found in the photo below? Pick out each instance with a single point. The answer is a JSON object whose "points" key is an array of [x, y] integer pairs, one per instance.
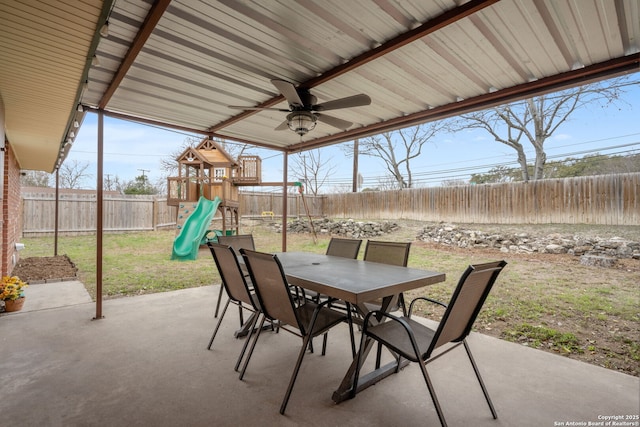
{"points": [[154, 214]]}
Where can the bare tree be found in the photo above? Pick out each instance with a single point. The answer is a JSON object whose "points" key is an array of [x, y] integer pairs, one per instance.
{"points": [[35, 179], [386, 183], [536, 119], [169, 164], [398, 148], [312, 169], [72, 175], [161, 186]]}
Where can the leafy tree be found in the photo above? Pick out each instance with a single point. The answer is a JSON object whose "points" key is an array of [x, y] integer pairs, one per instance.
{"points": [[595, 164], [454, 182], [140, 185], [496, 174], [312, 169], [35, 179], [536, 119]]}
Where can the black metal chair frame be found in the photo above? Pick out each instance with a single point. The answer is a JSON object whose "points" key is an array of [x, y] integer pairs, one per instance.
{"points": [[291, 312], [345, 248], [237, 288], [417, 342], [237, 242], [371, 254]]}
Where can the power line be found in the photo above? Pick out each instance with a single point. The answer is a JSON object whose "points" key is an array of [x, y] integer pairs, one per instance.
{"points": [[455, 173]]}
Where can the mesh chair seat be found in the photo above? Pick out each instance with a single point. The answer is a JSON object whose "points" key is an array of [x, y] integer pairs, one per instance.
{"points": [[397, 338], [236, 242], [417, 342], [301, 317], [237, 288], [392, 253], [345, 248], [326, 319]]}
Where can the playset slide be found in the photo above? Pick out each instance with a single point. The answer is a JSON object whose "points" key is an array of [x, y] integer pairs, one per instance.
{"points": [[186, 245]]}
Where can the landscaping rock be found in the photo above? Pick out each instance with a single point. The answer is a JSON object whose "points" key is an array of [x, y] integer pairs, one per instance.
{"points": [[600, 261], [348, 228], [555, 243]]}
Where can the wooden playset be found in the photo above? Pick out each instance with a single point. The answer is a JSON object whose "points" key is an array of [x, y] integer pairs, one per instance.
{"points": [[207, 170]]}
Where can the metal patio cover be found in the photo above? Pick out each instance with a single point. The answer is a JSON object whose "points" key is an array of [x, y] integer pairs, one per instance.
{"points": [[181, 63]]}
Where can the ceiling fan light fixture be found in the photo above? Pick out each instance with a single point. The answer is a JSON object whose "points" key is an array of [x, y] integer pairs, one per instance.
{"points": [[301, 122]]}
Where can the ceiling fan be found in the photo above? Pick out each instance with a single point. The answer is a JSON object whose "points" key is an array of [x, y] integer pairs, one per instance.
{"points": [[303, 110]]}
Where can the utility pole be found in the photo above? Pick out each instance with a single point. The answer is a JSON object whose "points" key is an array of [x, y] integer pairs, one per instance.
{"points": [[355, 166], [144, 178]]}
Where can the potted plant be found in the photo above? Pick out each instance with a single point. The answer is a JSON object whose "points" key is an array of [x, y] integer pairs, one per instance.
{"points": [[12, 293]]}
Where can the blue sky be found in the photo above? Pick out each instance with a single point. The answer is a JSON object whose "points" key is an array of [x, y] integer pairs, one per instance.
{"points": [[131, 149]]}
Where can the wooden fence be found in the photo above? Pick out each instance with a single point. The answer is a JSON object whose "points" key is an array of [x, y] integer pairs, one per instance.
{"points": [[257, 204], [77, 213], [605, 199]]}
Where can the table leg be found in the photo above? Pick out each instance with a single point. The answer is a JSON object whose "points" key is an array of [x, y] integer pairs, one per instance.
{"points": [[344, 390], [246, 326]]}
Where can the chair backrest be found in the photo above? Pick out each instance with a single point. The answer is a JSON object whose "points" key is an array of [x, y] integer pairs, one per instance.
{"points": [[270, 284], [345, 248], [466, 302], [238, 241], [230, 272], [394, 253]]}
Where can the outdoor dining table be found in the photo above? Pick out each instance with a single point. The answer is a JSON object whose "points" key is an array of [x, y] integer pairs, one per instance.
{"points": [[356, 282]]}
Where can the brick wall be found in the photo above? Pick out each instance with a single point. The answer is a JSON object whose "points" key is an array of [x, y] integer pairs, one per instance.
{"points": [[11, 218]]}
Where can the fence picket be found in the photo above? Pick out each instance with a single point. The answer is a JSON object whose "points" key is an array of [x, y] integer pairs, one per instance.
{"points": [[602, 199]]}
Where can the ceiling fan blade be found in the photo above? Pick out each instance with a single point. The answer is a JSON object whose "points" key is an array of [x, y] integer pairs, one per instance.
{"points": [[349, 101], [334, 121], [289, 91], [283, 126], [240, 107]]}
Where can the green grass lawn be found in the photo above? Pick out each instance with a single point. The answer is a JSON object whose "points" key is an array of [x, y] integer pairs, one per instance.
{"points": [[590, 313]]}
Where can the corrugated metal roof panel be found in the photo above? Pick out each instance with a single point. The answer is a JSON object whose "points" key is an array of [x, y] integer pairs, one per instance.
{"points": [[204, 56]]}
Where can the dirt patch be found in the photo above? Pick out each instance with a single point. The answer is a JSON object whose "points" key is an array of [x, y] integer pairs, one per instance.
{"points": [[42, 269]]}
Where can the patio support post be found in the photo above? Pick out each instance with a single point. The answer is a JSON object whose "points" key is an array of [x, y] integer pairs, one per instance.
{"points": [[55, 225], [285, 180], [355, 165], [99, 225]]}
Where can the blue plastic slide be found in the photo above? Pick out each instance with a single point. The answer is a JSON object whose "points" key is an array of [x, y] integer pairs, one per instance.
{"points": [[186, 245]]}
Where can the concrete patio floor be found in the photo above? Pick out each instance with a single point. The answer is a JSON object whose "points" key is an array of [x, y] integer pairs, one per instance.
{"points": [[146, 364]]}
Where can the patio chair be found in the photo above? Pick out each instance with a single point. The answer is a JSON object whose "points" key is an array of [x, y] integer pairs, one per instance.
{"points": [[345, 248], [393, 253], [417, 343], [234, 282], [303, 317], [237, 242]]}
